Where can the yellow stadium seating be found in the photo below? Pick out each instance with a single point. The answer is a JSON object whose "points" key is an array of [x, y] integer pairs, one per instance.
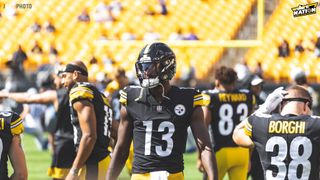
{"points": [[211, 20], [282, 24]]}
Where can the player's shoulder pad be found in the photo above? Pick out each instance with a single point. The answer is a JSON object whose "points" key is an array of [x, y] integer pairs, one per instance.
{"points": [[250, 121], [123, 97], [200, 98], [124, 93], [16, 123], [261, 115], [81, 91]]}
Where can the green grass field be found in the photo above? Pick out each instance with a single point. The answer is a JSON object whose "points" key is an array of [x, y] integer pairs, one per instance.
{"points": [[39, 161]]}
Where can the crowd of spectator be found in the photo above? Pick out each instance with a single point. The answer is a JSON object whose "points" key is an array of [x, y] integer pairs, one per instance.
{"points": [[301, 46], [107, 11]]}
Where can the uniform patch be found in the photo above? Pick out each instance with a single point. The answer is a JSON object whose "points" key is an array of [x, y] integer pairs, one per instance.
{"points": [[180, 110]]}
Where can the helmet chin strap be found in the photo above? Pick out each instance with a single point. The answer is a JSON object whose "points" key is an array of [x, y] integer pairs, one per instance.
{"points": [[164, 96], [144, 90]]}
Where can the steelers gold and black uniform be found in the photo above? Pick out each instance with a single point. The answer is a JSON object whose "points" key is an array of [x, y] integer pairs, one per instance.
{"points": [[98, 161], [159, 129], [64, 153], [227, 110], [10, 125], [288, 146]]}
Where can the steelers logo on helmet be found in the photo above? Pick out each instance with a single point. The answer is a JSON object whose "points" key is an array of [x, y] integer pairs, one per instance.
{"points": [[180, 109], [156, 63]]}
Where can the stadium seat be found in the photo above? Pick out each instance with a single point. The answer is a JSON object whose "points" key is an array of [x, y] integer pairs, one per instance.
{"points": [[79, 40], [281, 24]]}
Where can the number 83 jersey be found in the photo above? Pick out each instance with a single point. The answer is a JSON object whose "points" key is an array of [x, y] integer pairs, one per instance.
{"points": [[227, 110], [288, 146], [159, 129]]}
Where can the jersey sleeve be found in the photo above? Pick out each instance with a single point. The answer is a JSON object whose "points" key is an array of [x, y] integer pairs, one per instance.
{"points": [[81, 92], [16, 124], [248, 126], [207, 98], [201, 99], [123, 97]]}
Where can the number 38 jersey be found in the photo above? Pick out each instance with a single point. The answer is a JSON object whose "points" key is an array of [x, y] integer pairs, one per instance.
{"points": [[227, 110], [10, 125], [86, 91], [159, 129], [288, 146]]}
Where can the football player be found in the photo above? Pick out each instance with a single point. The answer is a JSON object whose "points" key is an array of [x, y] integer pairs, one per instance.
{"points": [[228, 107], [288, 143], [10, 145], [63, 146], [156, 116], [91, 117]]}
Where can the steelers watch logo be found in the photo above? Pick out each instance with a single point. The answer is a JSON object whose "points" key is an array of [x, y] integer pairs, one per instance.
{"points": [[180, 110]]}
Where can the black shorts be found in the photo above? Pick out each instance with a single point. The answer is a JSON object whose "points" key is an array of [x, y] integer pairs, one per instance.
{"points": [[63, 158]]}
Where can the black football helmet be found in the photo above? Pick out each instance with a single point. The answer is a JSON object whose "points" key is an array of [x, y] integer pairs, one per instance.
{"points": [[156, 63]]}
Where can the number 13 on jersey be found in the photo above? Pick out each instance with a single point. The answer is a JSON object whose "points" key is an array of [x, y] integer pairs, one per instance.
{"points": [[167, 137]]}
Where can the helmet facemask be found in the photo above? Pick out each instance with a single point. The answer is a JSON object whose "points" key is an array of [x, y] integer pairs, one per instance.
{"points": [[156, 64], [152, 73]]}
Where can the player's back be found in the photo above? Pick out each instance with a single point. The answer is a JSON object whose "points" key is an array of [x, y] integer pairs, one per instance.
{"points": [[288, 146], [103, 112], [10, 125], [227, 110]]}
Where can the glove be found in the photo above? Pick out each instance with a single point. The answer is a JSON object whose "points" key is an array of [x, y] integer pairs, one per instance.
{"points": [[272, 101]]}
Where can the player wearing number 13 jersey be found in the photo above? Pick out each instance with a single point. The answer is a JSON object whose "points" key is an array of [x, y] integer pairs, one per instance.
{"points": [[10, 146], [288, 143], [91, 118], [159, 129], [228, 106], [156, 116]]}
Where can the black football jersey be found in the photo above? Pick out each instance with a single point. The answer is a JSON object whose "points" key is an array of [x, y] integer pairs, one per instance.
{"points": [[86, 91], [227, 110], [159, 129], [64, 127], [10, 125], [288, 146]]}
